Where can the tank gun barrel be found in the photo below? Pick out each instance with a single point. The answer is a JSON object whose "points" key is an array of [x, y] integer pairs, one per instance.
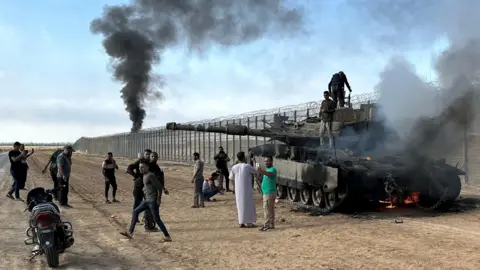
{"points": [[231, 129]]}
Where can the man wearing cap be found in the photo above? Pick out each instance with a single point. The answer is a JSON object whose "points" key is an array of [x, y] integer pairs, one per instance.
{"points": [[64, 166], [336, 88]]}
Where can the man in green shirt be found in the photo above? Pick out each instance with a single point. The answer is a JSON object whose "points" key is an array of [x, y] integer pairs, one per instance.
{"points": [[269, 190]]}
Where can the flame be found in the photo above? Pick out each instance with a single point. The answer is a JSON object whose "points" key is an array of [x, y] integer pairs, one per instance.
{"points": [[412, 198], [369, 158]]}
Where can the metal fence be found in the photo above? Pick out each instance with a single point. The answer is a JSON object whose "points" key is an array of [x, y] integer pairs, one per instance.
{"points": [[179, 146]]}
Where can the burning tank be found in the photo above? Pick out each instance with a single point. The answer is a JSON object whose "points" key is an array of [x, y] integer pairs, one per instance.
{"points": [[361, 166]]}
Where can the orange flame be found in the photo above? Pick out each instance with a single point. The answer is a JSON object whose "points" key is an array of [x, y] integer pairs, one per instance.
{"points": [[412, 198]]}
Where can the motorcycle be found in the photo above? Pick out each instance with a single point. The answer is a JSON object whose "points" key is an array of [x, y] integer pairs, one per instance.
{"points": [[50, 235]]}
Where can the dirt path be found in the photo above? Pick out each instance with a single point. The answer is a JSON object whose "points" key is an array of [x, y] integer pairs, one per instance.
{"points": [[209, 239]]}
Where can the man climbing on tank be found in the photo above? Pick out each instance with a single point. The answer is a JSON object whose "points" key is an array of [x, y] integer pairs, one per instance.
{"points": [[134, 170], [221, 161], [336, 88], [327, 109]]}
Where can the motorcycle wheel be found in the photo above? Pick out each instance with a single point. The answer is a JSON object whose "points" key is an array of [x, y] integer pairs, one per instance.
{"points": [[52, 257]]}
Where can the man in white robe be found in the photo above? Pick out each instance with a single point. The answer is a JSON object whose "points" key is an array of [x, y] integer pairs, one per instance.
{"points": [[242, 173]]}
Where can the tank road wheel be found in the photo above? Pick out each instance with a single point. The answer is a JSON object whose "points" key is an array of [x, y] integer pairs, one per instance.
{"points": [[334, 200], [317, 197], [281, 192], [293, 194], [306, 196]]}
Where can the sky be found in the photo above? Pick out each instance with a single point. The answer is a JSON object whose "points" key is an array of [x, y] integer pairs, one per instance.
{"points": [[56, 86]]}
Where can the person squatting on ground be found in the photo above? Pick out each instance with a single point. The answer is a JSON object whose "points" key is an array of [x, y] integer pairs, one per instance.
{"points": [[209, 189], [197, 181], [134, 170], [242, 173], [53, 170], [109, 165], [24, 170], [336, 88], [221, 161], [64, 165], [269, 190], [158, 172], [15, 156], [327, 109], [151, 187]]}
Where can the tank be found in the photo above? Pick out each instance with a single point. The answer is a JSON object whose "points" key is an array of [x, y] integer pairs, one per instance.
{"points": [[362, 166]]}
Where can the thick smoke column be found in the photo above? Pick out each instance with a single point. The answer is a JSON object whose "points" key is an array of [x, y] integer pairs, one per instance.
{"points": [[137, 34], [432, 122]]}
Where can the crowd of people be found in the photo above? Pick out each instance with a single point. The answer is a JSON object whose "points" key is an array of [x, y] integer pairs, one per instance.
{"points": [[149, 184]]}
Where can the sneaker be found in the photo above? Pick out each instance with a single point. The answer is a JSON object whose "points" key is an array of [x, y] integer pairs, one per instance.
{"points": [[194, 206], [115, 201], [108, 201], [19, 199], [167, 239], [129, 235], [10, 196]]}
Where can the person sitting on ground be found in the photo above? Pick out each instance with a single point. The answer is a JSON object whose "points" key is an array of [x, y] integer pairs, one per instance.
{"points": [[209, 188]]}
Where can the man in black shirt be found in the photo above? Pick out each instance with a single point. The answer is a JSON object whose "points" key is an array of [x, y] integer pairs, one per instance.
{"points": [[15, 156], [149, 223], [336, 88], [134, 170], [109, 166], [221, 160]]}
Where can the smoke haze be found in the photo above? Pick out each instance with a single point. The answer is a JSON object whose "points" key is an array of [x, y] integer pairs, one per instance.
{"points": [[137, 34], [408, 103]]}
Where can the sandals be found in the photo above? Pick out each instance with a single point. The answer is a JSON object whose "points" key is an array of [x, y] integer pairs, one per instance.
{"points": [[248, 226]]}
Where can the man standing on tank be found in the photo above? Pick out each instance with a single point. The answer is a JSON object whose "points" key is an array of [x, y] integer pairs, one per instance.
{"points": [[336, 88], [53, 170], [327, 109], [134, 170], [109, 166], [221, 162]]}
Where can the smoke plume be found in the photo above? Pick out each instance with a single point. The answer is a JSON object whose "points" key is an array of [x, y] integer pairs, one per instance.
{"points": [[432, 120], [136, 35]]}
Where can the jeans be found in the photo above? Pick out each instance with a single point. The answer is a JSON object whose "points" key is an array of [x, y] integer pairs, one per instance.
{"points": [[137, 197], [64, 185], [208, 194], [15, 185], [152, 206], [198, 199]]}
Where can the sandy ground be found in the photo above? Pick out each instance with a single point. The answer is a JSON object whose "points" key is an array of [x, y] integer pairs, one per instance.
{"points": [[209, 238]]}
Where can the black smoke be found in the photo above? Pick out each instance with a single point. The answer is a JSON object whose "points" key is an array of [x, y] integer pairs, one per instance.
{"points": [[136, 35]]}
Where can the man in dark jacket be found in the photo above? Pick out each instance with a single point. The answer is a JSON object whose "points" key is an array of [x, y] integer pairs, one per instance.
{"points": [[134, 170], [221, 161], [336, 88]]}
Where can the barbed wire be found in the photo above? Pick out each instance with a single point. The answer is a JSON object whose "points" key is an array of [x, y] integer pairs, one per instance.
{"points": [[312, 106]]}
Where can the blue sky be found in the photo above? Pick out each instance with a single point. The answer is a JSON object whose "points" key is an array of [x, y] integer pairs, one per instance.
{"points": [[56, 86]]}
